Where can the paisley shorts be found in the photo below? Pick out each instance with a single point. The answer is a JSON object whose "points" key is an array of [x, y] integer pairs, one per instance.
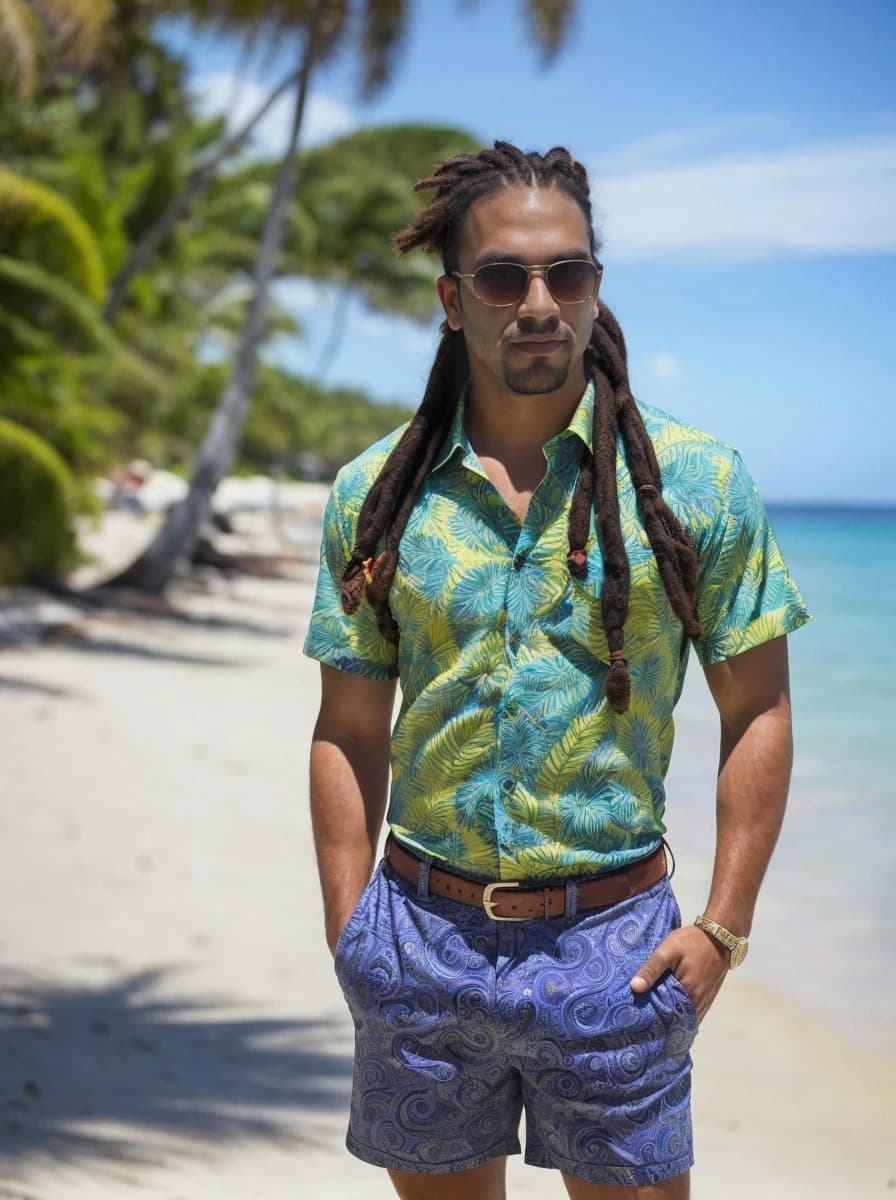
{"points": [[462, 1023]]}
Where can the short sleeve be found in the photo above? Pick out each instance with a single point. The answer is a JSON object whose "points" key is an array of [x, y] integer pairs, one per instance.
{"points": [[349, 643], [746, 595]]}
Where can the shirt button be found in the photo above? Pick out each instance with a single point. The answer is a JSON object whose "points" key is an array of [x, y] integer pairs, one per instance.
{"points": [[515, 638], [508, 785], [518, 560]]}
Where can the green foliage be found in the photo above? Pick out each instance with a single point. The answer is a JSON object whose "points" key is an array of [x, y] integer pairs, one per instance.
{"points": [[291, 423], [76, 26], [35, 507], [44, 226], [90, 163], [292, 418], [57, 304], [352, 195]]}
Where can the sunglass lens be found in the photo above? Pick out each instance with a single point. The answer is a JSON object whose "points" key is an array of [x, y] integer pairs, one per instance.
{"points": [[500, 283], [571, 282]]}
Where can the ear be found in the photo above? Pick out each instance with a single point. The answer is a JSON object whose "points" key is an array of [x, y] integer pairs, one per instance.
{"points": [[448, 291]]}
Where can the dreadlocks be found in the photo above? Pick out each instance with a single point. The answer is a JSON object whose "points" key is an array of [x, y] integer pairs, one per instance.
{"points": [[458, 183]]}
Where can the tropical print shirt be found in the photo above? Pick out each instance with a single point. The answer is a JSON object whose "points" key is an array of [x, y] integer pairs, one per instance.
{"points": [[507, 761]]}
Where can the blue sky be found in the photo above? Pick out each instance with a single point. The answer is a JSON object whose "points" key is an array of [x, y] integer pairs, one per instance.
{"points": [[743, 166]]}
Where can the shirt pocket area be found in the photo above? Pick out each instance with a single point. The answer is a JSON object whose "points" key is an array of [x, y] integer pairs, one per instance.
{"points": [[586, 621]]}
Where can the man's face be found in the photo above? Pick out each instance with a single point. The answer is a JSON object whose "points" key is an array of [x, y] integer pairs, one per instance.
{"points": [[535, 346]]}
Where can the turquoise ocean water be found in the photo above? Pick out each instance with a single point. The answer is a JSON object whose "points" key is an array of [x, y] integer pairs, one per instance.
{"points": [[843, 801], [825, 931]]}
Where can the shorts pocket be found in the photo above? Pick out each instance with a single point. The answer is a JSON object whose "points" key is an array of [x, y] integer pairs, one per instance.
{"points": [[677, 987], [356, 918]]}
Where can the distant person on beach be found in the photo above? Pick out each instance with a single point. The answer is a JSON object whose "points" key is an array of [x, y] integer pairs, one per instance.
{"points": [[532, 556]]}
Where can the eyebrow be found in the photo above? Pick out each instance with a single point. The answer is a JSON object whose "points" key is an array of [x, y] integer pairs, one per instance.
{"points": [[499, 257]]}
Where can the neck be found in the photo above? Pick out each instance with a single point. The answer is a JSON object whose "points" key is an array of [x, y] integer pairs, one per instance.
{"points": [[506, 424]]}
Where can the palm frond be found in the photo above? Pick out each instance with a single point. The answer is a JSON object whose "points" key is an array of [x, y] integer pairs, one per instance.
{"points": [[549, 24], [80, 310], [19, 42], [383, 28], [24, 335], [79, 25], [38, 203]]}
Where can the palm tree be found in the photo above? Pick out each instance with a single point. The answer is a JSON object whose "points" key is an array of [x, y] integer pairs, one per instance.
{"points": [[142, 252], [77, 26], [31, 209], [324, 23]]}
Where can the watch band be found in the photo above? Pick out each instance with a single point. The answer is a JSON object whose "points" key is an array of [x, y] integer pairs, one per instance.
{"points": [[737, 945]]}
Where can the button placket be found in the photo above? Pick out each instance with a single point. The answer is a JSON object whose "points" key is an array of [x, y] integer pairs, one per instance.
{"points": [[519, 612]]}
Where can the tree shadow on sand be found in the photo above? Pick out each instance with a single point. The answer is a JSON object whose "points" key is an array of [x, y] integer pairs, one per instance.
{"points": [[77, 1059], [9, 683], [125, 649]]}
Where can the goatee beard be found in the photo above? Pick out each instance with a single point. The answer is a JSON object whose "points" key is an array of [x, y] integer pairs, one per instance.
{"points": [[535, 380]]}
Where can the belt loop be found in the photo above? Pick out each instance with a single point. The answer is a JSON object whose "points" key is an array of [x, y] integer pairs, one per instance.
{"points": [[423, 879], [666, 847], [571, 908]]}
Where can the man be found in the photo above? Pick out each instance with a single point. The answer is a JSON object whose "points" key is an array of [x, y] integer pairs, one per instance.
{"points": [[532, 556]]}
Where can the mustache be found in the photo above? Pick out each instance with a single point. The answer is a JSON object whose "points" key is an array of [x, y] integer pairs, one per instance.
{"points": [[548, 333]]}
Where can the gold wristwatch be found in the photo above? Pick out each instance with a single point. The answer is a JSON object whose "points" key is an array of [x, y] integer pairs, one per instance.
{"points": [[737, 945]]}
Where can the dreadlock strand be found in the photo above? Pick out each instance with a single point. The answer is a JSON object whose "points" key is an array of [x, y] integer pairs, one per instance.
{"points": [[579, 513], [617, 577], [611, 360], [675, 555], [383, 572], [608, 324], [390, 483], [674, 552], [637, 439]]}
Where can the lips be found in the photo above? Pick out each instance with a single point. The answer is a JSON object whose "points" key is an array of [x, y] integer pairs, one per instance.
{"points": [[539, 345]]}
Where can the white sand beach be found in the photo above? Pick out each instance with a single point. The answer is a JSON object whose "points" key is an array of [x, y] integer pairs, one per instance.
{"points": [[171, 1025]]}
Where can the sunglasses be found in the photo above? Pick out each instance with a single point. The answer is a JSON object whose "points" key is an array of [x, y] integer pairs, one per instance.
{"points": [[570, 281]]}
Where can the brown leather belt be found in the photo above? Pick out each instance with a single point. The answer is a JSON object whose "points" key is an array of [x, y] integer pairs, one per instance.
{"points": [[510, 901]]}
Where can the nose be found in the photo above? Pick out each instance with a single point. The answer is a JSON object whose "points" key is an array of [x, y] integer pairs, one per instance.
{"points": [[538, 301]]}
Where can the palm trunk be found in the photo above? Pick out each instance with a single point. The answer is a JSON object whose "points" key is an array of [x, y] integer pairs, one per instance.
{"points": [[338, 326], [155, 567], [144, 249]]}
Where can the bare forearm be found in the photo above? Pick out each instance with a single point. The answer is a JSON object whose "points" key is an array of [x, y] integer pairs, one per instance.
{"points": [[751, 691], [754, 777], [348, 800]]}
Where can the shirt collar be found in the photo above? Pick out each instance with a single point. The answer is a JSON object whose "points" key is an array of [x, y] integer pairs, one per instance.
{"points": [[457, 434], [580, 424]]}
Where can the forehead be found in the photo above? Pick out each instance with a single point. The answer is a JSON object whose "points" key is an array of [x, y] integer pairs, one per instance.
{"points": [[527, 224]]}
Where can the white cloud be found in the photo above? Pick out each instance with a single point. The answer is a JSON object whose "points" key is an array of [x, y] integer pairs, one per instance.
{"points": [[219, 92], [317, 304], [303, 296], [664, 366], [397, 330], [835, 197], [325, 118], [679, 143]]}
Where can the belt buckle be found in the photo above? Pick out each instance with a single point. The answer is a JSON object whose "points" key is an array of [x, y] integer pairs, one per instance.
{"points": [[488, 903]]}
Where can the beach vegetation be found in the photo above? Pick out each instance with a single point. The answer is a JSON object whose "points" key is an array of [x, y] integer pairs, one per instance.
{"points": [[82, 178], [36, 492], [140, 248]]}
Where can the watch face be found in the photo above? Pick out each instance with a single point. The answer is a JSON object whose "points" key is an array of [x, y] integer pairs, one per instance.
{"points": [[738, 955]]}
